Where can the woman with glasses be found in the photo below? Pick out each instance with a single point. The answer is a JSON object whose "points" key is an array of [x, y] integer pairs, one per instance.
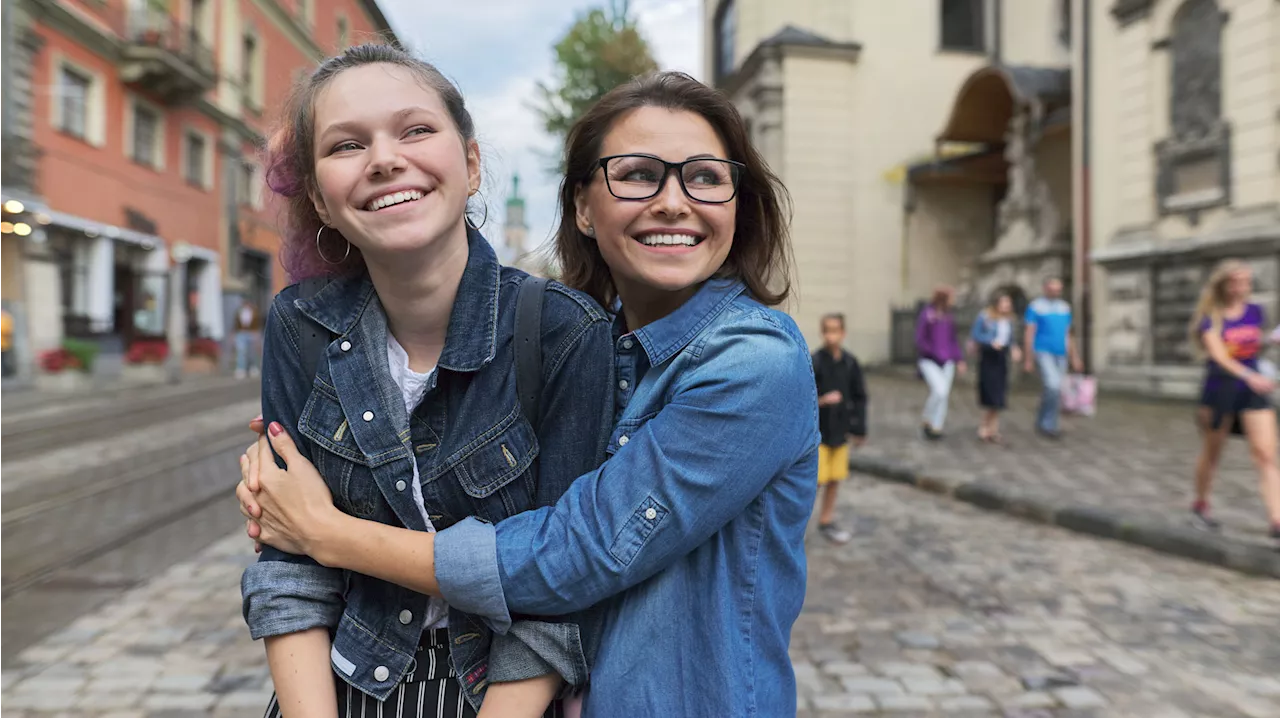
{"points": [[690, 537]]}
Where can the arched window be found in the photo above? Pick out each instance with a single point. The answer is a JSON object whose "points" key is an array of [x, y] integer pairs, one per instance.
{"points": [[726, 29], [1195, 99]]}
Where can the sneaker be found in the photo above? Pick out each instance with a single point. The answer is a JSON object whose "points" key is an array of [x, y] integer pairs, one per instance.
{"points": [[1201, 520], [834, 534]]}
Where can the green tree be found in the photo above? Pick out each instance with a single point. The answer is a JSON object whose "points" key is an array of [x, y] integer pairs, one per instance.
{"points": [[598, 53]]}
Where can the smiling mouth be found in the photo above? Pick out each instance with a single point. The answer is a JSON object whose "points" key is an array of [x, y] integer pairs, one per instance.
{"points": [[670, 240], [393, 199]]}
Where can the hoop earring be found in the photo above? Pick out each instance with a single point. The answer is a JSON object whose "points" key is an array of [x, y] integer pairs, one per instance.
{"points": [[320, 252], [483, 219]]}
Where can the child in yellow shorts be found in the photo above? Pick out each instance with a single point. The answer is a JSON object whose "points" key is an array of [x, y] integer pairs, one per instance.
{"points": [[842, 418]]}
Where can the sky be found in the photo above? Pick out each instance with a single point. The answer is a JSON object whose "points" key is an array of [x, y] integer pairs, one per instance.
{"points": [[497, 50]]}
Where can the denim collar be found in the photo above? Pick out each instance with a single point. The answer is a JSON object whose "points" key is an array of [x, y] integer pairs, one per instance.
{"points": [[472, 338], [665, 338]]}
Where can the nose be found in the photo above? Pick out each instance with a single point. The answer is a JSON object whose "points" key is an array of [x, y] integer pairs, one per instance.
{"points": [[385, 158], [670, 200]]}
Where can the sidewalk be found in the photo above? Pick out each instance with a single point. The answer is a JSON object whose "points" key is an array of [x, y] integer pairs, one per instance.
{"points": [[174, 646], [1124, 474]]}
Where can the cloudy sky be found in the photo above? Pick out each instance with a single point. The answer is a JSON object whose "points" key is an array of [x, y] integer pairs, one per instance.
{"points": [[496, 50]]}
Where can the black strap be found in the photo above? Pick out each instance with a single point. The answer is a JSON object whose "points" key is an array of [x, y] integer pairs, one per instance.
{"points": [[313, 339], [529, 347]]}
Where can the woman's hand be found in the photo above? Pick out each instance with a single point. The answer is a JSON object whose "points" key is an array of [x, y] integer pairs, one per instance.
{"points": [[1259, 384], [289, 509], [1017, 354]]}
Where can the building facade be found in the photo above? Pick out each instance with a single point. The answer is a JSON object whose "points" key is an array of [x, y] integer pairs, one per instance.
{"points": [[1185, 171], [869, 111], [134, 204]]}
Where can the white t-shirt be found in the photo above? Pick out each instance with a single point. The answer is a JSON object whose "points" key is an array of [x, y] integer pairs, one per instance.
{"points": [[412, 386]]}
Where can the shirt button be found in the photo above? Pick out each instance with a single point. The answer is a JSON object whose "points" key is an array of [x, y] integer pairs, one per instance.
{"points": [[368, 416], [400, 485], [622, 440], [381, 673], [346, 346], [406, 616], [651, 513], [627, 343], [623, 384]]}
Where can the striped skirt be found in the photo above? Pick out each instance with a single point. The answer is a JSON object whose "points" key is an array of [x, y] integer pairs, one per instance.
{"points": [[430, 690]]}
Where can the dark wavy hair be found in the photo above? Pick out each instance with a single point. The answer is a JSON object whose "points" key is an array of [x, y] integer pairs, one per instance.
{"points": [[291, 163], [761, 253]]}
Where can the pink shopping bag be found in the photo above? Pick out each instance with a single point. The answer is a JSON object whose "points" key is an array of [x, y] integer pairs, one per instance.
{"points": [[1079, 394]]}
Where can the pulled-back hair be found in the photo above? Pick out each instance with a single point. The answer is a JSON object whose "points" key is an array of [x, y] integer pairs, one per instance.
{"points": [[291, 163], [761, 253]]}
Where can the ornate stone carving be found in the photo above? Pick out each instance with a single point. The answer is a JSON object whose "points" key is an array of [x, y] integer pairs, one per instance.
{"points": [[1027, 217]]}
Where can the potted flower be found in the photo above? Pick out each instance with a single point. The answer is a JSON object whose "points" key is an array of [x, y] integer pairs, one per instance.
{"points": [[144, 360], [202, 356]]}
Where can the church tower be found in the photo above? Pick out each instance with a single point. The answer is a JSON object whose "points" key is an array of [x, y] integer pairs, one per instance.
{"points": [[515, 230]]}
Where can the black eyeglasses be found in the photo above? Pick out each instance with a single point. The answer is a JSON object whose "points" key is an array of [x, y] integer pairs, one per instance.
{"points": [[703, 179]]}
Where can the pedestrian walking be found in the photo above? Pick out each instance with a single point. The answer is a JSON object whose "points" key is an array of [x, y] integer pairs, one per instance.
{"points": [[248, 326], [940, 358], [842, 419], [993, 335], [409, 407], [1050, 349], [695, 526], [1228, 328], [6, 343]]}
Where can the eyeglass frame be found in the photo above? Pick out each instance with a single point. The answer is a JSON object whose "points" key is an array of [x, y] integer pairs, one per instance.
{"points": [[736, 170]]}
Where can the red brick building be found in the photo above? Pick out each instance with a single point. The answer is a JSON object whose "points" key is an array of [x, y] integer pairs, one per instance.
{"points": [[132, 136]]}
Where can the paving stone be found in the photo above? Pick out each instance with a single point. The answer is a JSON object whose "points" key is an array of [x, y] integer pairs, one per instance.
{"points": [[961, 704], [850, 703], [1080, 698], [933, 687], [914, 639], [898, 669], [873, 686], [175, 701], [844, 668], [903, 704], [1032, 700]]}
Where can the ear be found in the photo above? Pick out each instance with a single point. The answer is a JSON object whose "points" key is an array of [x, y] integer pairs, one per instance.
{"points": [[473, 167], [581, 213], [318, 201]]}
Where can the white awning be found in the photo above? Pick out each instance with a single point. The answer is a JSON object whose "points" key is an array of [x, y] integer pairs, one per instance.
{"points": [[93, 228]]}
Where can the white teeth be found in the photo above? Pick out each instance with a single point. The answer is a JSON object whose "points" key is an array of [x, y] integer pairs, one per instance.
{"points": [[669, 240], [393, 198]]}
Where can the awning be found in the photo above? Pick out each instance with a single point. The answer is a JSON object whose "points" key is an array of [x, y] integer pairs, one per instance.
{"points": [[93, 228], [987, 100], [986, 167]]}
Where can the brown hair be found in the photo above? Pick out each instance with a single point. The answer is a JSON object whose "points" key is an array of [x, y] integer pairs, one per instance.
{"points": [[831, 317], [761, 252], [291, 162], [943, 297]]}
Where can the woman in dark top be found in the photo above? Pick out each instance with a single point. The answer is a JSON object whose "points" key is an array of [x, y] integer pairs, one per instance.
{"points": [[1229, 329], [993, 334]]}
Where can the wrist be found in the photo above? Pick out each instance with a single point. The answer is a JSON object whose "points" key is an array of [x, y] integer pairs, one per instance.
{"points": [[323, 540]]}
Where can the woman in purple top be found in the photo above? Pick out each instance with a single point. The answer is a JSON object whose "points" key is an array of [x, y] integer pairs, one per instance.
{"points": [[939, 358], [1229, 329]]}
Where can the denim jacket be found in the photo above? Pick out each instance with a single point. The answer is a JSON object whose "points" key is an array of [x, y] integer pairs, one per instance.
{"points": [[694, 526], [476, 455]]}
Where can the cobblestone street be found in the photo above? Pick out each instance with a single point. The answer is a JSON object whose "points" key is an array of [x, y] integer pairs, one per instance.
{"points": [[934, 608]]}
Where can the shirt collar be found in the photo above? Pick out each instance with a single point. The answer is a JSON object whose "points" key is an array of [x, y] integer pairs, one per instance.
{"points": [[665, 338], [472, 338]]}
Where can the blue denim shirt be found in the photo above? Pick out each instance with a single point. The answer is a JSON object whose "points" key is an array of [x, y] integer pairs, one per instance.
{"points": [[476, 456], [693, 529]]}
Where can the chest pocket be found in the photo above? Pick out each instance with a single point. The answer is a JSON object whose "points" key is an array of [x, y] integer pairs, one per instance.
{"points": [[337, 456], [494, 468]]}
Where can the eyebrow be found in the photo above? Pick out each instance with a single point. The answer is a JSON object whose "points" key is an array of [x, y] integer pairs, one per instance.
{"points": [[352, 127], [700, 156]]}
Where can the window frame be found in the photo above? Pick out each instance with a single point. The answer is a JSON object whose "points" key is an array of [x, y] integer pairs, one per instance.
{"points": [[94, 107], [205, 181], [979, 17], [158, 142], [722, 68]]}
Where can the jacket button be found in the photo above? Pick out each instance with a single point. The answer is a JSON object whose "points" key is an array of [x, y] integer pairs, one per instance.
{"points": [[346, 346], [623, 384], [622, 440], [627, 343], [368, 416], [381, 673], [651, 513], [400, 485], [406, 616]]}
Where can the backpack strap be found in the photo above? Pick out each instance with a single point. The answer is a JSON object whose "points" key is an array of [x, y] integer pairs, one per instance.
{"points": [[528, 339], [313, 339]]}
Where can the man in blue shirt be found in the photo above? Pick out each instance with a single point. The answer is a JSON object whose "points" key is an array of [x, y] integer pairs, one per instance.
{"points": [[1048, 348]]}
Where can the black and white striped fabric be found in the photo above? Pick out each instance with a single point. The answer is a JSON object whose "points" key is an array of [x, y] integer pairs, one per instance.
{"points": [[431, 690]]}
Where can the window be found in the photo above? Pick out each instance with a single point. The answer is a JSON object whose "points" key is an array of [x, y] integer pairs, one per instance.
{"points": [[147, 146], [726, 29], [196, 156], [343, 31], [73, 92], [964, 25], [249, 70], [248, 187]]}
